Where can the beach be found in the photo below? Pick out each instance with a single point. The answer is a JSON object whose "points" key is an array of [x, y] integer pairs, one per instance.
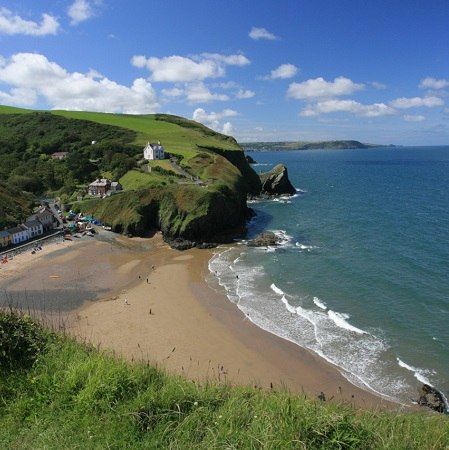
{"points": [[144, 301]]}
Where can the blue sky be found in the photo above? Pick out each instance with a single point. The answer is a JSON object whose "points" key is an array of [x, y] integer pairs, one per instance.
{"points": [[372, 70]]}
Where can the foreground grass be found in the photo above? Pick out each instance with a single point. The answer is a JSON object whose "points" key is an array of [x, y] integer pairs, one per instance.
{"points": [[67, 395]]}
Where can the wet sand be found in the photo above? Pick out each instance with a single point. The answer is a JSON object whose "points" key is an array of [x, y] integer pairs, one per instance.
{"points": [[145, 301]]}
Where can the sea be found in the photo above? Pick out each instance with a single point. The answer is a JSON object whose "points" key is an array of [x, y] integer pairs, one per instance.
{"points": [[361, 277]]}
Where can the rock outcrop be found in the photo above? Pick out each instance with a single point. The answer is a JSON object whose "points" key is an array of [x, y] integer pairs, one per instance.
{"points": [[432, 398], [265, 239], [276, 182]]}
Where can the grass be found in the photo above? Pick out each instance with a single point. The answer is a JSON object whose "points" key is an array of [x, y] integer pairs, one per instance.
{"points": [[75, 396], [175, 137]]}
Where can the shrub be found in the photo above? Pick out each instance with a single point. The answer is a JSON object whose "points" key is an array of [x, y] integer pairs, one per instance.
{"points": [[21, 340]]}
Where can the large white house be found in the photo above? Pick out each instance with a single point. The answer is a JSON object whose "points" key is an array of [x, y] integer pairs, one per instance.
{"points": [[153, 151]]}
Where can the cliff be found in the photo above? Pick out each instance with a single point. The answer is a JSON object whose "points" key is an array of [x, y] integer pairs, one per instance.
{"points": [[276, 182]]}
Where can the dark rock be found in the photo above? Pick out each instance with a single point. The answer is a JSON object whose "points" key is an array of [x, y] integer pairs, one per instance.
{"points": [[276, 182], [432, 398], [204, 245], [180, 244], [250, 159], [268, 238]]}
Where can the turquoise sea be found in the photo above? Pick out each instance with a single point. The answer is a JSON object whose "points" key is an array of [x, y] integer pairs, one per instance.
{"points": [[362, 275]]}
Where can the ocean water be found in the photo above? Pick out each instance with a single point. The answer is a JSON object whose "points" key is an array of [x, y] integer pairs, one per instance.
{"points": [[362, 275]]}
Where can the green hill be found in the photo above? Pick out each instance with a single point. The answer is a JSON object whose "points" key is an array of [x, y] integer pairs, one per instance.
{"points": [[15, 206], [185, 200], [304, 145], [59, 394]]}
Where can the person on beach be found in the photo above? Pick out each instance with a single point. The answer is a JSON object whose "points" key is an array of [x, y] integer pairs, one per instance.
{"points": [[126, 301]]}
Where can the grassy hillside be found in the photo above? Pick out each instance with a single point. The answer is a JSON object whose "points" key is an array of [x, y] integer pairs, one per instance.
{"points": [[178, 204], [175, 133], [59, 394], [15, 206], [305, 145]]}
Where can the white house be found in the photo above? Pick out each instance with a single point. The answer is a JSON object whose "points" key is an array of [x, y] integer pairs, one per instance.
{"points": [[19, 234], [35, 228], [45, 217], [153, 151]]}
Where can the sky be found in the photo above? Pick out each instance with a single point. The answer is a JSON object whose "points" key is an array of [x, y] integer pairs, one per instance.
{"points": [[376, 71]]}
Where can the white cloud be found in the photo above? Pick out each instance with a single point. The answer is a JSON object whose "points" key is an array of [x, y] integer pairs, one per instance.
{"points": [[81, 10], [244, 93], [183, 69], [200, 93], [230, 60], [416, 102], [12, 24], [261, 33], [414, 118], [227, 129], [19, 97], [378, 85], [351, 106], [283, 71], [319, 87], [173, 92], [212, 120], [36, 76], [432, 83]]}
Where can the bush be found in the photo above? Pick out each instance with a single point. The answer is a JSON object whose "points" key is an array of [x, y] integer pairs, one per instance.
{"points": [[21, 340]]}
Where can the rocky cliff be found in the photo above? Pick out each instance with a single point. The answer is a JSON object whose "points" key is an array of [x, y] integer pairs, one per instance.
{"points": [[276, 182]]}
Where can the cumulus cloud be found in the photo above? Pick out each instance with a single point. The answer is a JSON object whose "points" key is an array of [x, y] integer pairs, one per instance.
{"points": [[187, 69], [32, 75], [414, 118], [81, 10], [13, 24], [319, 87], [351, 106], [261, 33], [244, 93], [432, 83], [213, 119], [416, 102], [200, 93], [283, 71]]}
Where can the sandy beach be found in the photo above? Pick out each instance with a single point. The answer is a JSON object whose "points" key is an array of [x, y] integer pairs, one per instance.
{"points": [[144, 301]]}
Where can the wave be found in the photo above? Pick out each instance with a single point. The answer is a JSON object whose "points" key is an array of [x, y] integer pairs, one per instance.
{"points": [[419, 374], [327, 333], [319, 303], [340, 320], [275, 289], [304, 247]]}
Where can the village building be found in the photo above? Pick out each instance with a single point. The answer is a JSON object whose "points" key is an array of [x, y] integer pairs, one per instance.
{"points": [[19, 234], [99, 187], [45, 217], [153, 151], [115, 187], [5, 238], [59, 155], [35, 228]]}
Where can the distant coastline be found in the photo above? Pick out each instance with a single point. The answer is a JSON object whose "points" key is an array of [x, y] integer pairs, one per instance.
{"points": [[304, 145]]}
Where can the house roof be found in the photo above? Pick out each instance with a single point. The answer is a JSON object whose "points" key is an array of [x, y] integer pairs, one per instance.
{"points": [[4, 233], [15, 230], [100, 182], [32, 223]]}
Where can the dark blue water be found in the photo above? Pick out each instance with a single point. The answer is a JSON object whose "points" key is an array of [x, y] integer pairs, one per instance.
{"points": [[362, 277]]}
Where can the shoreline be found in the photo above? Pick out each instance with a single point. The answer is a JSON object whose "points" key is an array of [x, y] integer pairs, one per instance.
{"points": [[156, 306]]}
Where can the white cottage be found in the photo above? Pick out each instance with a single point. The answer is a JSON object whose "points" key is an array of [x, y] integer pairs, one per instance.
{"points": [[153, 151]]}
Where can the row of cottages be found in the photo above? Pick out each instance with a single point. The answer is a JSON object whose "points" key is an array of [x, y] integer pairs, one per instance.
{"points": [[102, 186], [153, 151], [35, 225]]}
